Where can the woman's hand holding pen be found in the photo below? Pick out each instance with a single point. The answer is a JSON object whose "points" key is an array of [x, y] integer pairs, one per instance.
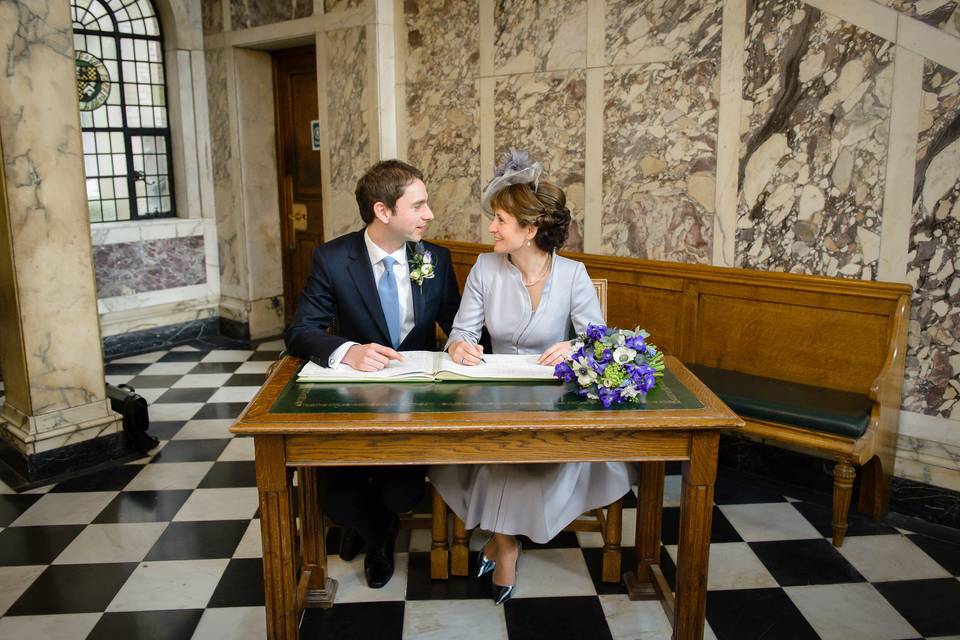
{"points": [[466, 353]]}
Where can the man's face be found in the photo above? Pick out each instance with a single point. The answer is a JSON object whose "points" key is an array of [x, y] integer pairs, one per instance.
{"points": [[411, 215]]}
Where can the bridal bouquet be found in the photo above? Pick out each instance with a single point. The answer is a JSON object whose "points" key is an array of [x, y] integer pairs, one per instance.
{"points": [[612, 365]]}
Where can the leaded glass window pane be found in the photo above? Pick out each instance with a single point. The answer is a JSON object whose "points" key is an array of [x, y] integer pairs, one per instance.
{"points": [[126, 139]]}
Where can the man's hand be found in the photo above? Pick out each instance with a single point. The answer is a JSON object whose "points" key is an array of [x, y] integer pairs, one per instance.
{"points": [[466, 353], [555, 354], [369, 357]]}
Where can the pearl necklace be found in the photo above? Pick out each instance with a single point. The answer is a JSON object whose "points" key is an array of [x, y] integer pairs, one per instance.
{"points": [[546, 268]]}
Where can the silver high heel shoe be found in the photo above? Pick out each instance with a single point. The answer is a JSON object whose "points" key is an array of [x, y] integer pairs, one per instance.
{"points": [[500, 593], [484, 564]]}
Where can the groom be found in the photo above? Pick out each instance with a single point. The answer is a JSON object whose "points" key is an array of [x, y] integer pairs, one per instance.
{"points": [[374, 288]]}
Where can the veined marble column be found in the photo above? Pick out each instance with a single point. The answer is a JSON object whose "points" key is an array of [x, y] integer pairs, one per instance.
{"points": [[56, 417]]}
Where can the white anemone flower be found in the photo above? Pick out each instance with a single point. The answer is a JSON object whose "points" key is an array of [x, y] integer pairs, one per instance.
{"points": [[624, 355], [586, 377]]}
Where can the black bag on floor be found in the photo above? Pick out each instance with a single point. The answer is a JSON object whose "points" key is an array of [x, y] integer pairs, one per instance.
{"points": [[136, 421]]}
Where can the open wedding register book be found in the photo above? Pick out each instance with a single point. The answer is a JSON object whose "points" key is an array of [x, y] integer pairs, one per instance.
{"points": [[430, 366]]}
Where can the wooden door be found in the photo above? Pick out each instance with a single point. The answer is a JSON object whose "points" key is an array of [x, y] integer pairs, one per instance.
{"points": [[298, 166]]}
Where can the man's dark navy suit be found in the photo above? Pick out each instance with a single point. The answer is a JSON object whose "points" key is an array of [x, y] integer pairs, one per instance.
{"points": [[342, 292]]}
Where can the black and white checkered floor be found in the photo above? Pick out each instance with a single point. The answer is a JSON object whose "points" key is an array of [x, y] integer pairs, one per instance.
{"points": [[168, 547]]}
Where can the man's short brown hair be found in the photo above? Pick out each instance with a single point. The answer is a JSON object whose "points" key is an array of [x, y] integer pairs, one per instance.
{"points": [[384, 182]]}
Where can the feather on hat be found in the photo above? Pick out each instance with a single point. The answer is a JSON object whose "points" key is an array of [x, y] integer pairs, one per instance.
{"points": [[516, 168]]}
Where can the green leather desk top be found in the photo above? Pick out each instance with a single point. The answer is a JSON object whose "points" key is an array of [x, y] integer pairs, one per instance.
{"points": [[443, 397]]}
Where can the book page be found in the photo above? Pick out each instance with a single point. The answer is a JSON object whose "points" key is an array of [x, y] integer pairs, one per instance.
{"points": [[497, 367], [416, 365]]}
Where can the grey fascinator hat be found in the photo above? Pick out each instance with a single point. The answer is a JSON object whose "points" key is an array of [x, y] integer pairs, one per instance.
{"points": [[516, 168]]}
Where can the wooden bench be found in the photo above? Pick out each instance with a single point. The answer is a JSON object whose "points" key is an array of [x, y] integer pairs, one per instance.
{"points": [[811, 363]]}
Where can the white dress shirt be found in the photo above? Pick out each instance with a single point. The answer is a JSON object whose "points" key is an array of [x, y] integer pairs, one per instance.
{"points": [[401, 271]]}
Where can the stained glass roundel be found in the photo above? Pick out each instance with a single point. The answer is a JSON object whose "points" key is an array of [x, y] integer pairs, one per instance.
{"points": [[93, 81]]}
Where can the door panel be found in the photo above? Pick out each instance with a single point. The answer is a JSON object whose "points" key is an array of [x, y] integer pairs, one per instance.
{"points": [[301, 210]]}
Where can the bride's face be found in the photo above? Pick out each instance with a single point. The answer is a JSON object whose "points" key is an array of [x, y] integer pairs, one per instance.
{"points": [[508, 235]]}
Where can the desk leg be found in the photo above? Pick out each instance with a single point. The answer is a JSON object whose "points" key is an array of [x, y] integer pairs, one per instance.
{"points": [[277, 530], [318, 589], [647, 581], [696, 513]]}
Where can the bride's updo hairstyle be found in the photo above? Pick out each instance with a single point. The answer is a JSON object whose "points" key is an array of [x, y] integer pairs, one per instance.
{"points": [[544, 207]]}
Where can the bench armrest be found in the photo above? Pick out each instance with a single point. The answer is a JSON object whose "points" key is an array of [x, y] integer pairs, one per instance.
{"points": [[887, 386]]}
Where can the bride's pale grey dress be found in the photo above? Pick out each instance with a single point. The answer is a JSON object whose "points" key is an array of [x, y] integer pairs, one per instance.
{"points": [[536, 500]]}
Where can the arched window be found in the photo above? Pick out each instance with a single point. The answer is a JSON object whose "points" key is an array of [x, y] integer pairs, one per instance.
{"points": [[123, 109]]}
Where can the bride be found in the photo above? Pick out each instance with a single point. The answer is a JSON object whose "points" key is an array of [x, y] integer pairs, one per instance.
{"points": [[531, 301]]}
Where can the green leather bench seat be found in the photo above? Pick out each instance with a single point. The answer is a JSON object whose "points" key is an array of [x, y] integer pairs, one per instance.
{"points": [[816, 408]]}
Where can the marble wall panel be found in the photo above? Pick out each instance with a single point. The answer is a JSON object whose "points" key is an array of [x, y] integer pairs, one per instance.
{"points": [[447, 150], [659, 161], [545, 113], [653, 30], [350, 121], [245, 14], [942, 14], [135, 267], [221, 143], [539, 35], [933, 355], [329, 6], [817, 95], [442, 40], [211, 12]]}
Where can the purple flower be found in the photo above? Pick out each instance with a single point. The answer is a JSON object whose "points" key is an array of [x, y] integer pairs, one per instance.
{"points": [[606, 357], [608, 396], [636, 372], [596, 331], [637, 343], [645, 381], [564, 372]]}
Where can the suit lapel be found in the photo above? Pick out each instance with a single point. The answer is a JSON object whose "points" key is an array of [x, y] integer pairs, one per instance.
{"points": [[362, 274]]}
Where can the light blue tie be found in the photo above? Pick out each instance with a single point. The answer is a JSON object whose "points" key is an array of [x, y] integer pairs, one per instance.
{"points": [[390, 300]]}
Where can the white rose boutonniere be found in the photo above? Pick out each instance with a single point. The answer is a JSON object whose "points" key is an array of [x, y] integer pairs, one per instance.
{"points": [[421, 266]]}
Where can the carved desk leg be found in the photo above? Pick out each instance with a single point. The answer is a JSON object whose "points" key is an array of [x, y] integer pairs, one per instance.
{"points": [[647, 582], [696, 513], [319, 589], [439, 551], [277, 530]]}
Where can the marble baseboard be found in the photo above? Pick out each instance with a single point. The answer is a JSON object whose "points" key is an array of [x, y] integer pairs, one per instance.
{"points": [[22, 472], [234, 329], [811, 478], [159, 337]]}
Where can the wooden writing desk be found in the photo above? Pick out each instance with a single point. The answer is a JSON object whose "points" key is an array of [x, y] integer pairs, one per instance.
{"points": [[304, 426]]}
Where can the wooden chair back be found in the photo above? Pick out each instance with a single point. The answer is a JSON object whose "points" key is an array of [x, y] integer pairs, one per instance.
{"points": [[600, 284]]}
